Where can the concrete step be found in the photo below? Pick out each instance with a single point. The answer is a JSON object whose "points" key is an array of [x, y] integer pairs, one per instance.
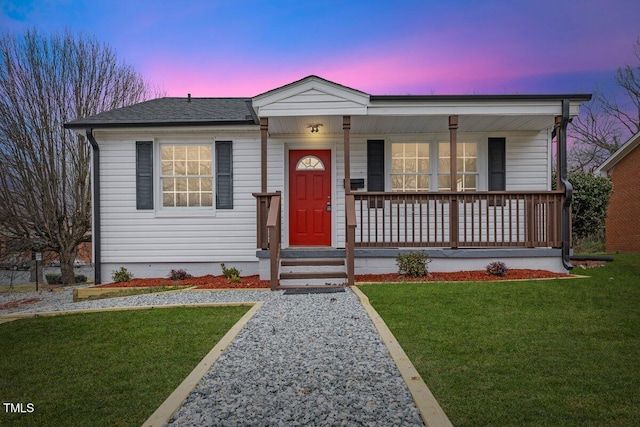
{"points": [[311, 261], [314, 275], [303, 272], [312, 283]]}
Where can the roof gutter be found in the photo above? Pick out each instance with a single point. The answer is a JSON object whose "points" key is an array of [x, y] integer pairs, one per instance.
{"points": [[95, 228], [566, 185]]}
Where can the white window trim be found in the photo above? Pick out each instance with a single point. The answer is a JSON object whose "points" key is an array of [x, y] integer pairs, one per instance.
{"points": [[187, 211], [433, 141]]}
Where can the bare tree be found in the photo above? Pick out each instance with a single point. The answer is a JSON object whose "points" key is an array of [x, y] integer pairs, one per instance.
{"points": [[45, 81], [607, 121]]}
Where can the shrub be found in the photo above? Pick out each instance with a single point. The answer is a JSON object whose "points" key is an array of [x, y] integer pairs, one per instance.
{"points": [[413, 264], [56, 279], [497, 268], [589, 205], [179, 275], [232, 274], [122, 275]]}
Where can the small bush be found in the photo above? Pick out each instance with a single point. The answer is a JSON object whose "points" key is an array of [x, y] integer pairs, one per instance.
{"points": [[497, 268], [413, 264], [122, 275], [56, 279], [232, 274], [179, 275]]}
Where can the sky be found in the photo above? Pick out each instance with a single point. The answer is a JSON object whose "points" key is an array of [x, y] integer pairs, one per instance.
{"points": [[242, 48]]}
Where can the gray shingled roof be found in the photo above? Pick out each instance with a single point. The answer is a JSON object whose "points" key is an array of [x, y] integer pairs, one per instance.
{"points": [[174, 112]]}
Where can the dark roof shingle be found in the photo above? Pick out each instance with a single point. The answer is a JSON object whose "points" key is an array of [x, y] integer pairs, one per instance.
{"points": [[174, 112]]}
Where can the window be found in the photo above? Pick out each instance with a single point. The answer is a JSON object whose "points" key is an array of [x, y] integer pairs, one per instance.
{"points": [[186, 176], [421, 166], [466, 164], [310, 163], [410, 169]]}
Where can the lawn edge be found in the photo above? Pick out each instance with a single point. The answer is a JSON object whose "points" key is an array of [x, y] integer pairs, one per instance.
{"points": [[430, 410], [26, 315], [174, 402]]}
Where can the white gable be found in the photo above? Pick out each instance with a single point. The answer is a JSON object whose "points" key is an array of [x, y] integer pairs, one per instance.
{"points": [[311, 96]]}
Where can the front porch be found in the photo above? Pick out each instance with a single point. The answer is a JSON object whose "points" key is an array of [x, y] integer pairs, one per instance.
{"points": [[486, 197], [458, 230]]}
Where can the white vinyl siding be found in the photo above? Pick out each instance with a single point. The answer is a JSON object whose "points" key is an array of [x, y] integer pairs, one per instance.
{"points": [[528, 161], [141, 236]]}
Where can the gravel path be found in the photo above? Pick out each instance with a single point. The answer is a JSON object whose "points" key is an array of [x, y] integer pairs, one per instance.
{"points": [[313, 359]]}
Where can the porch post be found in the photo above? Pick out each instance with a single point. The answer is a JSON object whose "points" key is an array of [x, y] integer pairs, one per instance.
{"points": [[264, 129], [453, 141], [346, 126], [350, 224], [453, 170], [556, 129]]}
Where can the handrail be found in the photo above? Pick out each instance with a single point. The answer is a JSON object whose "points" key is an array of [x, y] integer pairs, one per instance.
{"points": [[458, 219], [274, 211], [352, 223], [263, 201], [273, 227]]}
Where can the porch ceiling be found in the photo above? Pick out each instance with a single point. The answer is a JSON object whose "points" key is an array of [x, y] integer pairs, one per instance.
{"points": [[299, 125]]}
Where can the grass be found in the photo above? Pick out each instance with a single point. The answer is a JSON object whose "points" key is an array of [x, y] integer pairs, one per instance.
{"points": [[557, 352], [103, 369]]}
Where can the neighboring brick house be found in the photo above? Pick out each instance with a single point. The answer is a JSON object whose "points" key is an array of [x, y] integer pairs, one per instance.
{"points": [[622, 225]]}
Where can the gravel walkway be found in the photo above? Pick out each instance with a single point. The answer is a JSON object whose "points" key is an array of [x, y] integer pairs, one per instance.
{"points": [[313, 359]]}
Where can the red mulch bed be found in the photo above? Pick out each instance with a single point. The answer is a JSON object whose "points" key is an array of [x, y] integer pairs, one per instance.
{"points": [[461, 276], [254, 282], [203, 282], [18, 302]]}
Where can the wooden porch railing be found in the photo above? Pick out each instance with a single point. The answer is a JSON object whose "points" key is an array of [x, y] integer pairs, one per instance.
{"points": [[454, 219], [263, 201], [269, 214]]}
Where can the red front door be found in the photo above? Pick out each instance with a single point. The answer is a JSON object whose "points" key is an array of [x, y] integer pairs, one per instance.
{"points": [[310, 197]]}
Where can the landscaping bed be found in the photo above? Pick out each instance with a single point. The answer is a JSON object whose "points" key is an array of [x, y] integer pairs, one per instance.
{"points": [[18, 303], [202, 282], [254, 282], [462, 276]]}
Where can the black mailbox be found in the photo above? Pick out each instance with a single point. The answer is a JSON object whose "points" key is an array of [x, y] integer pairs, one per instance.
{"points": [[356, 184]]}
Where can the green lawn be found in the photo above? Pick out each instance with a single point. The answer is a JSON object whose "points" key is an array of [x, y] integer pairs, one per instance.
{"points": [[103, 369], [558, 352]]}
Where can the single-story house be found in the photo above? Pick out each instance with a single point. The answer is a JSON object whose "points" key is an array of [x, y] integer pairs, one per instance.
{"points": [[622, 229], [318, 180]]}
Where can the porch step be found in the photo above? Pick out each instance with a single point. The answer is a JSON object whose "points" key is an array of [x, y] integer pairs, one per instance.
{"points": [[314, 275], [310, 262], [303, 272]]}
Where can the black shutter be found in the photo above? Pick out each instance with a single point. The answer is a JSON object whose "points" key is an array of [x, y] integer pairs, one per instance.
{"points": [[224, 175], [144, 175], [375, 165], [497, 165]]}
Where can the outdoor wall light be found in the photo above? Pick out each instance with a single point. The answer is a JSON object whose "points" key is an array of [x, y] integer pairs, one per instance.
{"points": [[314, 127]]}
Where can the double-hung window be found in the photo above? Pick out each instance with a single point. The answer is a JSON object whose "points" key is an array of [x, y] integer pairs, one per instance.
{"points": [[424, 166], [466, 166], [410, 167], [186, 176], [190, 176]]}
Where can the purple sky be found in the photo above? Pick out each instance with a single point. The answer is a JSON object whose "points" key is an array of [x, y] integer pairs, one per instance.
{"points": [[243, 48]]}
